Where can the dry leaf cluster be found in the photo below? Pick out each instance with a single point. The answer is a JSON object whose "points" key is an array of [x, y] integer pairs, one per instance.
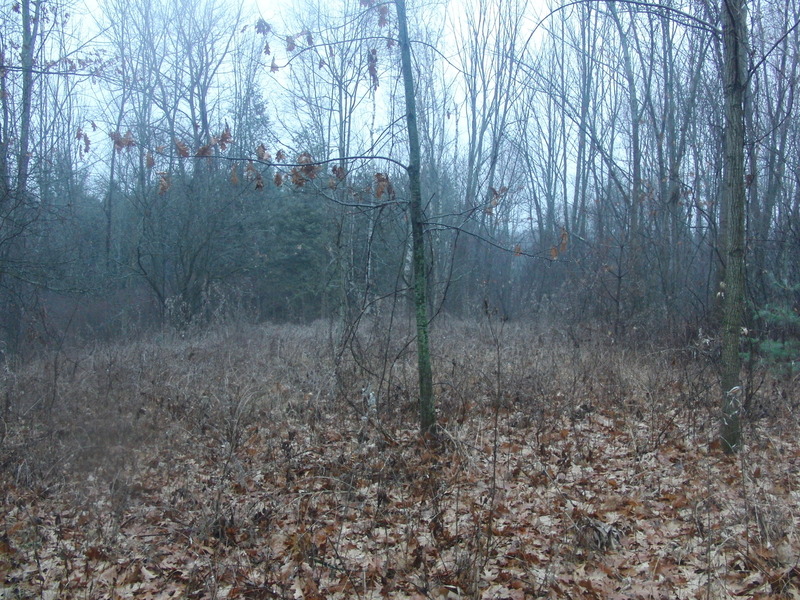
{"points": [[236, 464]]}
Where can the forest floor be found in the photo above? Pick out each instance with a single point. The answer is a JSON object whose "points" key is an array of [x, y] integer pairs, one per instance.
{"points": [[245, 463]]}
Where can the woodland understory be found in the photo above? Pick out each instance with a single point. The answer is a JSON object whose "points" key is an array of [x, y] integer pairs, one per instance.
{"points": [[251, 462]]}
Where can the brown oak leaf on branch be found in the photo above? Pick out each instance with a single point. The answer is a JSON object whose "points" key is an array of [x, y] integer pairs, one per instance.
{"points": [[183, 149], [383, 15], [372, 67], [225, 138], [163, 183], [83, 137], [297, 177], [383, 186], [263, 28], [253, 174], [308, 169], [122, 142]]}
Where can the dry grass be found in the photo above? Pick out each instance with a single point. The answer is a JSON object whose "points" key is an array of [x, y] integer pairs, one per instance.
{"points": [[92, 407], [237, 462]]}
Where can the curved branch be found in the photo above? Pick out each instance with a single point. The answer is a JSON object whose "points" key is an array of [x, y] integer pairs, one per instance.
{"points": [[650, 8], [290, 165]]}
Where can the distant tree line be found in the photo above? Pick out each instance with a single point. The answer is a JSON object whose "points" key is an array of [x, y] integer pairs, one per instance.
{"points": [[191, 161]]}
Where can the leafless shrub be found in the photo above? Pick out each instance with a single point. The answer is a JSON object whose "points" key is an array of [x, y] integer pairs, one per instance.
{"points": [[112, 398]]}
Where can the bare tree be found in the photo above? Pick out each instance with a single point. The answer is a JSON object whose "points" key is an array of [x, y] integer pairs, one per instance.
{"points": [[427, 408], [734, 80], [41, 66]]}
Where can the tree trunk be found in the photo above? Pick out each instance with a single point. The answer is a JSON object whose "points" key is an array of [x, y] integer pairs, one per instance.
{"points": [[427, 409], [734, 37], [30, 31]]}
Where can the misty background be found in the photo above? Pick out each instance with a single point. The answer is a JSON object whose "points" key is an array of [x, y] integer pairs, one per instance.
{"points": [[174, 164]]}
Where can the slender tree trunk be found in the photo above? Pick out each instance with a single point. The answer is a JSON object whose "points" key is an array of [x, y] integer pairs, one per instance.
{"points": [[30, 30], [630, 267], [109, 203], [734, 37], [427, 409], [5, 127], [636, 150]]}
